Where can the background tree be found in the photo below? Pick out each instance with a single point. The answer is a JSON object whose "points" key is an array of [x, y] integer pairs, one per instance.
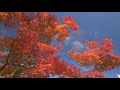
{"points": [[31, 54]]}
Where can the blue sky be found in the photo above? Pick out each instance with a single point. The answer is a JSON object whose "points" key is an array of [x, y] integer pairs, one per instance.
{"points": [[94, 26]]}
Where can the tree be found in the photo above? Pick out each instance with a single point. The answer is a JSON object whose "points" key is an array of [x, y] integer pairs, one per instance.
{"points": [[31, 54]]}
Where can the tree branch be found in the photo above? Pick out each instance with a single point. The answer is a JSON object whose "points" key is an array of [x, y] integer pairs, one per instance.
{"points": [[7, 60], [17, 73], [63, 54]]}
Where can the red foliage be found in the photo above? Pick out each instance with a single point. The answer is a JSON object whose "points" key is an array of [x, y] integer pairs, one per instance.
{"points": [[92, 44], [30, 53], [98, 55], [70, 21], [31, 50]]}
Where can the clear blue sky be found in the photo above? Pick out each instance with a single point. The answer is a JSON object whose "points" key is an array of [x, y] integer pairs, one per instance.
{"points": [[95, 26]]}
